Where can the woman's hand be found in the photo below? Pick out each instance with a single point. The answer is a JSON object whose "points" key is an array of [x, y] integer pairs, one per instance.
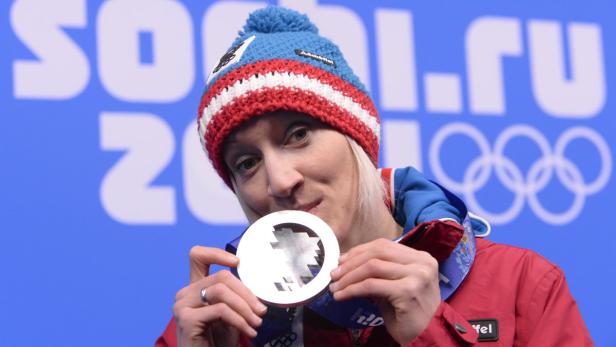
{"points": [[231, 308], [402, 281]]}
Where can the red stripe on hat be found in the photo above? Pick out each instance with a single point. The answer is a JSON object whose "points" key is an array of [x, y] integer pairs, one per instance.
{"points": [[271, 99]]}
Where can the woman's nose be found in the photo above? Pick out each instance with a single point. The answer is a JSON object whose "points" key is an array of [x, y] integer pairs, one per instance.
{"points": [[282, 176]]}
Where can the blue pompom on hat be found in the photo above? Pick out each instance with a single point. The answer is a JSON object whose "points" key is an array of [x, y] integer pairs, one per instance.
{"points": [[276, 19], [280, 62]]}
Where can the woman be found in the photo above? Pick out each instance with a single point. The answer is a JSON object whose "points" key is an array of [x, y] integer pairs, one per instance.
{"points": [[287, 125]]}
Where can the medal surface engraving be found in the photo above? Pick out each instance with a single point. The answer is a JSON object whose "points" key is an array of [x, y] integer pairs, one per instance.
{"points": [[286, 257]]}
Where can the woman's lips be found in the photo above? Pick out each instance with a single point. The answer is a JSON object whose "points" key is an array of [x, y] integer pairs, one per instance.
{"points": [[312, 208]]}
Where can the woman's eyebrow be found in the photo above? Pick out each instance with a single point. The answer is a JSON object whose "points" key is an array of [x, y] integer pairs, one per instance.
{"points": [[231, 139], [293, 123], [230, 150]]}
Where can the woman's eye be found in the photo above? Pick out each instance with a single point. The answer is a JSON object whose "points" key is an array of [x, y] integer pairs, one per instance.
{"points": [[245, 165], [298, 135]]}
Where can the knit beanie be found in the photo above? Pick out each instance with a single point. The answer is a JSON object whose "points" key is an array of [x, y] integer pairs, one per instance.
{"points": [[279, 62]]}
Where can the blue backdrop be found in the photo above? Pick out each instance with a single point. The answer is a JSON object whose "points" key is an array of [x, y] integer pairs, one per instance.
{"points": [[104, 189]]}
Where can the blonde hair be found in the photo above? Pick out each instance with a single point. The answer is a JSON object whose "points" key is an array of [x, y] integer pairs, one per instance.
{"points": [[370, 188]]}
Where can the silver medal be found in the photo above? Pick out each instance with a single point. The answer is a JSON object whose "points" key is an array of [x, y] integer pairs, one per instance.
{"points": [[286, 257]]}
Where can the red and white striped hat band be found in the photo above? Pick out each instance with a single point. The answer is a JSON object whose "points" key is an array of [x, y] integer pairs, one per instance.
{"points": [[266, 86]]}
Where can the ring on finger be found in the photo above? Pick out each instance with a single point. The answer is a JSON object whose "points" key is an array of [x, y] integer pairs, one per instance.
{"points": [[203, 296]]}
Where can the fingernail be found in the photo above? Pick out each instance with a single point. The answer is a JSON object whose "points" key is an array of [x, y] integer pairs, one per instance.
{"points": [[336, 296], [335, 272], [333, 287], [342, 257], [261, 308], [258, 320], [252, 333]]}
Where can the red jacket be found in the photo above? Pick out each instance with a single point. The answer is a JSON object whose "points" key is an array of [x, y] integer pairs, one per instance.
{"points": [[522, 295]]}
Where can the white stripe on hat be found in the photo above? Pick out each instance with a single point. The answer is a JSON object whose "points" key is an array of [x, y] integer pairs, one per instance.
{"points": [[287, 80]]}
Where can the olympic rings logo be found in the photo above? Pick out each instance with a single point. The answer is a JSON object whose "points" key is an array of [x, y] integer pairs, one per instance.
{"points": [[525, 187]]}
